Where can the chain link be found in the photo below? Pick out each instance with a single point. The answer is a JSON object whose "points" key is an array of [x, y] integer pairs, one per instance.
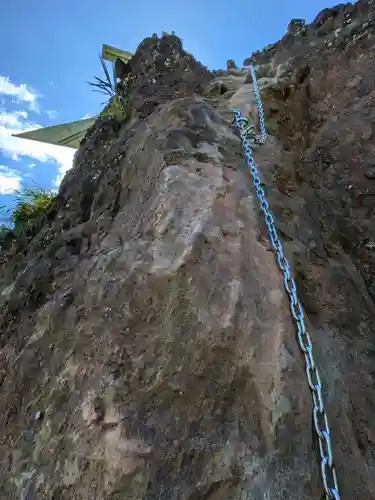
{"points": [[304, 341], [263, 133]]}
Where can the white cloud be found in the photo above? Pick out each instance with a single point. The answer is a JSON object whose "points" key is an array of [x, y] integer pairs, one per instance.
{"points": [[10, 180], [22, 92], [14, 119], [52, 113], [8, 170], [14, 147]]}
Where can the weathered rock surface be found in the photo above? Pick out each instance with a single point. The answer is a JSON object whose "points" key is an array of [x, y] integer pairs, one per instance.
{"points": [[147, 350]]}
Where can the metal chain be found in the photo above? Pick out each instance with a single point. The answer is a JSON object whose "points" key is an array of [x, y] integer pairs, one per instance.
{"points": [[263, 133], [319, 414], [249, 127]]}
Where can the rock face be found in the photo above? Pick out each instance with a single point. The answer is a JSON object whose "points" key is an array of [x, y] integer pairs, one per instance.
{"points": [[147, 350]]}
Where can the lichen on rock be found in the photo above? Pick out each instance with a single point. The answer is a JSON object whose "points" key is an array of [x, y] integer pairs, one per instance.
{"points": [[147, 350]]}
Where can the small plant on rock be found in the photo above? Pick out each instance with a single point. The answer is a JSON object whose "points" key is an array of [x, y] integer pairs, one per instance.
{"points": [[105, 87], [115, 106]]}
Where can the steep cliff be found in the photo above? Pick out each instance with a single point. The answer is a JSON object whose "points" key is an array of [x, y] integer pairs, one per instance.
{"points": [[147, 350]]}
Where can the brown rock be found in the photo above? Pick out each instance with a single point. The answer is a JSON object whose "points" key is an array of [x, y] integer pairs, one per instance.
{"points": [[231, 64], [147, 319], [295, 26]]}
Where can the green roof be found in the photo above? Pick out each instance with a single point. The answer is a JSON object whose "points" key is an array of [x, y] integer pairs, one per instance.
{"points": [[111, 54], [67, 134]]}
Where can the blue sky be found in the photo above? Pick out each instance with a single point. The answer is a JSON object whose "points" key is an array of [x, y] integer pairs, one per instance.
{"points": [[52, 51]]}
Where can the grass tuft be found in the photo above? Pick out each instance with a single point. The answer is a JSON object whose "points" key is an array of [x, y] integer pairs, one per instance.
{"points": [[31, 205]]}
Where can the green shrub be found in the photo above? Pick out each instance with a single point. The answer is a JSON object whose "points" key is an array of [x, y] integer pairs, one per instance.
{"points": [[31, 206], [6, 237], [4, 232]]}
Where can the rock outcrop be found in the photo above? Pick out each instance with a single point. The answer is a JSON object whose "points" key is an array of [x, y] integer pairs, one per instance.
{"points": [[147, 349]]}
